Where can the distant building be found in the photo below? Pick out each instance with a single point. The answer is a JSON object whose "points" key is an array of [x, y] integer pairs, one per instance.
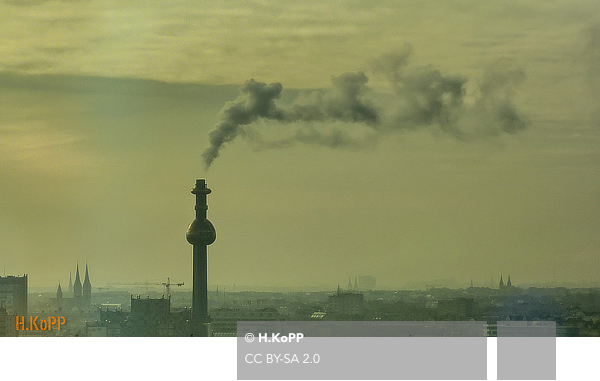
{"points": [[149, 317], [150, 310], [508, 284], [455, 308], [366, 282], [13, 294], [78, 298], [112, 317], [3, 322], [224, 320], [345, 303], [317, 315]]}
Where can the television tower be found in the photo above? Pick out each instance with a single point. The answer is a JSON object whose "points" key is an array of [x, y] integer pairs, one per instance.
{"points": [[200, 234]]}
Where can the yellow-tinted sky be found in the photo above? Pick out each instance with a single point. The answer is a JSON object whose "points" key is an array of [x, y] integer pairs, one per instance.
{"points": [[106, 107]]}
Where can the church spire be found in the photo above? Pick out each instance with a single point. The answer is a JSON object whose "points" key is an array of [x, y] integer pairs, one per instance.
{"points": [[77, 289], [59, 293], [87, 286], [70, 284], [501, 282], [508, 282]]}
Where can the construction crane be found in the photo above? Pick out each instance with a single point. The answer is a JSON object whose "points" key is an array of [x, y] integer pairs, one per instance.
{"points": [[168, 285], [147, 284]]}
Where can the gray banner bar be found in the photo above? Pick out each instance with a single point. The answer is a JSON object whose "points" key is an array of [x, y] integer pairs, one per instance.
{"points": [[367, 328], [526, 350], [306, 351]]}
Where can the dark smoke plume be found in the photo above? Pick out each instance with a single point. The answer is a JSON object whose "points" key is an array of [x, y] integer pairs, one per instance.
{"points": [[257, 100], [423, 98]]}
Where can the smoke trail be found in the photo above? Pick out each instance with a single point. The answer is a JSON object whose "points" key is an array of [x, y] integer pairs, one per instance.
{"points": [[423, 98], [333, 138], [257, 100]]}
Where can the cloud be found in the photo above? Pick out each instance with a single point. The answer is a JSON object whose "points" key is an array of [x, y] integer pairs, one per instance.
{"points": [[29, 3], [26, 66], [35, 147]]}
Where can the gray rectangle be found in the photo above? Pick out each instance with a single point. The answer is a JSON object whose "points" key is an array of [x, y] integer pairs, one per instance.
{"points": [[527, 329], [526, 350], [264, 354], [367, 328]]}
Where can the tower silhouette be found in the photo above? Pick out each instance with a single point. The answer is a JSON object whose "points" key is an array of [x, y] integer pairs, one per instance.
{"points": [[59, 292], [200, 234], [87, 287], [70, 290], [77, 288]]}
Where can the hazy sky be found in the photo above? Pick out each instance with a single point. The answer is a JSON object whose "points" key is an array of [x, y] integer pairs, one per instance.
{"points": [[413, 141]]}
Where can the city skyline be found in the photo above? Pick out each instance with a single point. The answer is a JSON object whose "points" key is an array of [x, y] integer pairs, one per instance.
{"points": [[461, 142]]}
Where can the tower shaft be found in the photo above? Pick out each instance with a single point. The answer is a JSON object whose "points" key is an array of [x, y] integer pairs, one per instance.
{"points": [[200, 234], [200, 292]]}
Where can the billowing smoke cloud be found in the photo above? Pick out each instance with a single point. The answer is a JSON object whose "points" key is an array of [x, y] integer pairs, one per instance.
{"points": [[427, 98], [423, 98], [345, 102], [495, 108]]}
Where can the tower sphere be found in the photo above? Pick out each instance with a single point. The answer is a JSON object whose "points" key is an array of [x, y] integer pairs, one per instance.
{"points": [[201, 232]]}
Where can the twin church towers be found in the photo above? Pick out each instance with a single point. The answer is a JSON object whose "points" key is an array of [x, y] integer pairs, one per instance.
{"points": [[82, 293]]}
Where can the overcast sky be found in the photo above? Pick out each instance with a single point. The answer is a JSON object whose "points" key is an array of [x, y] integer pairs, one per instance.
{"points": [[417, 142]]}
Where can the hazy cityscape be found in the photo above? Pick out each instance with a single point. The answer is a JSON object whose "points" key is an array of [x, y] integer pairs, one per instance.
{"points": [[144, 309], [372, 161], [114, 311]]}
